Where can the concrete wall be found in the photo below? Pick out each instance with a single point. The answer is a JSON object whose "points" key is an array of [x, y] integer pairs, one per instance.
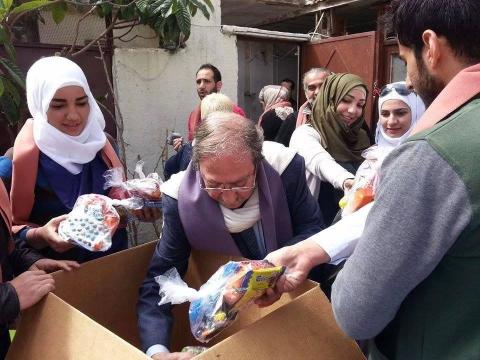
{"points": [[286, 64], [255, 71], [156, 89]]}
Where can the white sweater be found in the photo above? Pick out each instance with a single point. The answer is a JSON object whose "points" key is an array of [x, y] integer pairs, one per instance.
{"points": [[320, 165]]}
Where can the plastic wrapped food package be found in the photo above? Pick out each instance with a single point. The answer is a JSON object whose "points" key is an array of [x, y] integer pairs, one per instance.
{"points": [[143, 187], [93, 221], [216, 304], [365, 182], [195, 350]]}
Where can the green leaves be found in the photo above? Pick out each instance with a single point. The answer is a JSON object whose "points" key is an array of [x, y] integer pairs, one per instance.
{"points": [[209, 4], [12, 78], [59, 10], [13, 71], [3, 35], [29, 6], [7, 4], [171, 19], [203, 8], [10, 100], [183, 17], [142, 5]]}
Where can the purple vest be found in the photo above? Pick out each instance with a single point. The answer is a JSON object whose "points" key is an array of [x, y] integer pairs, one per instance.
{"points": [[203, 222]]}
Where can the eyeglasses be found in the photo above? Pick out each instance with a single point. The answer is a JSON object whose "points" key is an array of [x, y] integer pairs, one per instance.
{"points": [[401, 89], [220, 190]]}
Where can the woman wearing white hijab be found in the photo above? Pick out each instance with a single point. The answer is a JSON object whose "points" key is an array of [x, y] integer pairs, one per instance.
{"points": [[58, 155], [399, 110]]}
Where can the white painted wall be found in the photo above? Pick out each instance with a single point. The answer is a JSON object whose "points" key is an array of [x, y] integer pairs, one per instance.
{"points": [[286, 64], [156, 89], [255, 71]]}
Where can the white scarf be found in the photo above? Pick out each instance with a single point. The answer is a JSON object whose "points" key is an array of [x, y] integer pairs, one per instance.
{"points": [[417, 108], [242, 218], [238, 220], [44, 78]]}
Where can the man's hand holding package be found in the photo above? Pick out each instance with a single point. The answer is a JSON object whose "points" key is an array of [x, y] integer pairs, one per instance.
{"points": [[299, 260]]}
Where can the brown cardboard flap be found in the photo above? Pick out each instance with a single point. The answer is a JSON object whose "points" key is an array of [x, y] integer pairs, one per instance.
{"points": [[106, 289], [102, 294], [302, 329], [54, 330]]}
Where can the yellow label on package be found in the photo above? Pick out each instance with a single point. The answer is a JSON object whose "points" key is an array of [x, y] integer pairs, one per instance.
{"points": [[256, 282]]}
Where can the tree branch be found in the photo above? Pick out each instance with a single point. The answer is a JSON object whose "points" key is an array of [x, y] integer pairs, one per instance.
{"points": [[77, 28], [91, 43], [104, 107], [126, 33], [118, 123], [134, 37], [19, 15], [131, 23]]}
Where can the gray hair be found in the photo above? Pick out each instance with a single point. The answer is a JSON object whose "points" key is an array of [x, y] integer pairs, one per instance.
{"points": [[224, 134], [314, 71]]}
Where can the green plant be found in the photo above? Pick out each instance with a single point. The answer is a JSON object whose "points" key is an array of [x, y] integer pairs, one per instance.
{"points": [[12, 79], [170, 19]]}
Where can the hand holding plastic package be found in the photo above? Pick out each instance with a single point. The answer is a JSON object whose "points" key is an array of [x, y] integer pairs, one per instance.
{"points": [[216, 304], [93, 221], [366, 179], [144, 187]]}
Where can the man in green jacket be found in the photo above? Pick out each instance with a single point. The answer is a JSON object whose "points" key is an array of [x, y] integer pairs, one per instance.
{"points": [[412, 284]]}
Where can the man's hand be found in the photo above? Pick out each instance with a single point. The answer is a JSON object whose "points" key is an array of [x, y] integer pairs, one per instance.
{"points": [[173, 356], [148, 214], [177, 143], [50, 265], [299, 260], [31, 286], [48, 234]]}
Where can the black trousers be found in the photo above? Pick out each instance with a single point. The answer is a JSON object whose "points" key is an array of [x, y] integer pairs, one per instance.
{"points": [[4, 342]]}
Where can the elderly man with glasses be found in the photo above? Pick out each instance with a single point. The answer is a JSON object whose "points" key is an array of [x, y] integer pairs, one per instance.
{"points": [[239, 196]]}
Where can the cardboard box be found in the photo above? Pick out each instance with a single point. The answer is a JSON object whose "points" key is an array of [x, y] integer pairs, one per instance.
{"points": [[92, 316]]}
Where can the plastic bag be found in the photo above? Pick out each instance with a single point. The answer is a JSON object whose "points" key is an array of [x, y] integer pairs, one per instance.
{"points": [[195, 350], [365, 182], [216, 304], [144, 187], [93, 221]]}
